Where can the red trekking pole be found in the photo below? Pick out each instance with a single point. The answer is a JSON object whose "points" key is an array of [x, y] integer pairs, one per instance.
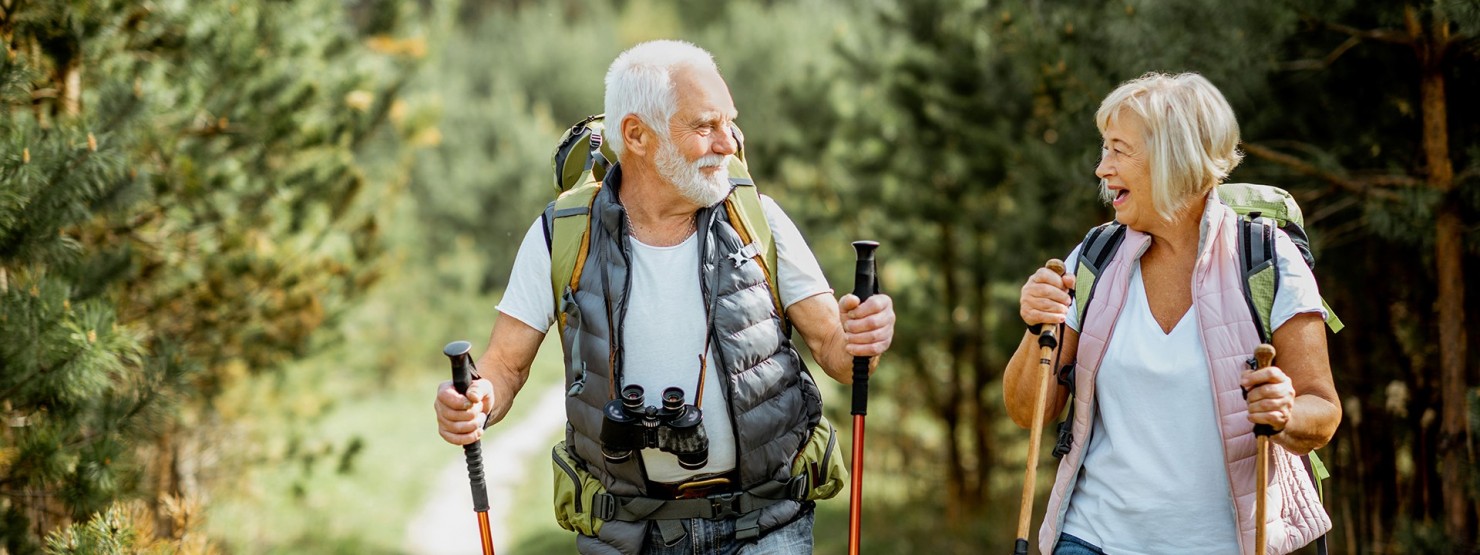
{"points": [[864, 286], [462, 376], [1046, 343]]}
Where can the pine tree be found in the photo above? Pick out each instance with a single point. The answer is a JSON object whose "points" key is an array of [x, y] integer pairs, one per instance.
{"points": [[1377, 131], [180, 206], [961, 134]]}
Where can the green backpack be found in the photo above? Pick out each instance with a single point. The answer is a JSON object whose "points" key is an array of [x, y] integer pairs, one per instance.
{"points": [[1261, 208], [581, 162]]}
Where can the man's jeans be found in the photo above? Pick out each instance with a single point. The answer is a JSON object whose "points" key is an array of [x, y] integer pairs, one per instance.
{"points": [[717, 537]]}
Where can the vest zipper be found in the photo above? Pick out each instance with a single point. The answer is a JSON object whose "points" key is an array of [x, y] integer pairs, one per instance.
{"points": [[618, 320], [708, 242]]}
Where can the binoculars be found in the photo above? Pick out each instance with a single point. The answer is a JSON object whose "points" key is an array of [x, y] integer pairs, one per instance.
{"points": [[675, 428]]}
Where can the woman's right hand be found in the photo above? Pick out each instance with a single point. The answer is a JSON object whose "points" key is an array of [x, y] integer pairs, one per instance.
{"points": [[460, 417], [1045, 298]]}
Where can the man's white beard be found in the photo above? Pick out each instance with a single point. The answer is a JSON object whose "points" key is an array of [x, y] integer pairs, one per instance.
{"points": [[689, 178]]}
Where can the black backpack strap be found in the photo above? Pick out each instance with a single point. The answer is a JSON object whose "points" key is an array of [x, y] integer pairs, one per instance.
{"points": [[547, 223], [1256, 251], [1095, 251], [1100, 244]]}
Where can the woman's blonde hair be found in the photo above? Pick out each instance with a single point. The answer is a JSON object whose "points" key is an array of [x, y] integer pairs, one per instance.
{"points": [[1191, 140]]}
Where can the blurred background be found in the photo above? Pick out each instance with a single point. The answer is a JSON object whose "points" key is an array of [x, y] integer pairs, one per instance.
{"points": [[235, 234]]}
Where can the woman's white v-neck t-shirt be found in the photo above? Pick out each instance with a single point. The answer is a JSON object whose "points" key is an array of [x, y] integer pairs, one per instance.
{"points": [[1153, 479]]}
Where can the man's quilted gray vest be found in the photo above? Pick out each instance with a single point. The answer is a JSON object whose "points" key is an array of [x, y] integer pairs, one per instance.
{"points": [[774, 404]]}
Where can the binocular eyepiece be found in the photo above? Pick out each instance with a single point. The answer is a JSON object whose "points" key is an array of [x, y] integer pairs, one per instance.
{"points": [[675, 427]]}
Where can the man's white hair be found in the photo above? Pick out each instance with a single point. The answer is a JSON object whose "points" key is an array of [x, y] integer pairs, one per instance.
{"points": [[640, 82]]}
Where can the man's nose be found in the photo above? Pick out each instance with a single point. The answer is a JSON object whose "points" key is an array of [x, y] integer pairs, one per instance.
{"points": [[726, 143]]}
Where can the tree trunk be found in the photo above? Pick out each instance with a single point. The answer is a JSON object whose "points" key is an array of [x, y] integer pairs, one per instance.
{"points": [[956, 490], [71, 85], [166, 480], [1449, 272], [983, 372]]}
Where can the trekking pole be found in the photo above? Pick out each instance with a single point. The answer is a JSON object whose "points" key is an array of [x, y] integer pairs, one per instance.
{"points": [[1046, 343], [1263, 356], [864, 286], [462, 377]]}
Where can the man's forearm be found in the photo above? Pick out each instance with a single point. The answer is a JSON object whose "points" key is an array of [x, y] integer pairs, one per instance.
{"points": [[506, 385]]}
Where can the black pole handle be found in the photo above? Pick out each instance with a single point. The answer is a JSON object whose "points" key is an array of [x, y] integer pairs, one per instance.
{"points": [[865, 284], [462, 377]]}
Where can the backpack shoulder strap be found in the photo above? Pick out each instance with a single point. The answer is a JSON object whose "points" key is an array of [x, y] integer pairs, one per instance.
{"points": [[1261, 276], [1094, 253], [1256, 246], [567, 222], [748, 217]]}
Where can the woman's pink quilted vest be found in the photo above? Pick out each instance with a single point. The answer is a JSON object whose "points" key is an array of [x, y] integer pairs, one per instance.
{"points": [[1295, 514]]}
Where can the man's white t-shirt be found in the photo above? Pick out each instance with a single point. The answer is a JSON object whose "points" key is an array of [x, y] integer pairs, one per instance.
{"points": [[664, 330], [1154, 479]]}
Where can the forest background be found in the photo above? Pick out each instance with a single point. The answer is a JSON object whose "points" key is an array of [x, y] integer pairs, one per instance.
{"points": [[234, 235]]}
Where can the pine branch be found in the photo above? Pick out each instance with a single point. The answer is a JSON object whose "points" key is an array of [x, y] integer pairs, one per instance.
{"points": [[1322, 63], [1375, 187], [116, 424], [1390, 36], [1470, 173]]}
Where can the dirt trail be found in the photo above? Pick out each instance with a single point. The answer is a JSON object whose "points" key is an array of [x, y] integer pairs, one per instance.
{"points": [[446, 524]]}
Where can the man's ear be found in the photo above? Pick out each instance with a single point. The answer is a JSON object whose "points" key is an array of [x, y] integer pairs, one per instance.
{"points": [[637, 138]]}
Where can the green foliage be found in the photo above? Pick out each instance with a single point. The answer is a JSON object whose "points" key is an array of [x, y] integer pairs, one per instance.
{"points": [[180, 206], [507, 87], [234, 177], [121, 529]]}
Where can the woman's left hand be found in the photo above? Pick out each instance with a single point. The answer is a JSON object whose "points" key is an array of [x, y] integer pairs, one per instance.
{"points": [[1271, 397]]}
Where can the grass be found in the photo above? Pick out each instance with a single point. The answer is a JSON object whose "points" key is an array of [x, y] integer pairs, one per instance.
{"points": [[354, 504], [361, 503], [335, 453]]}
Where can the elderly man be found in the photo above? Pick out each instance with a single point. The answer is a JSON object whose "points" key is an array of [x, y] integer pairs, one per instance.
{"points": [[662, 304]]}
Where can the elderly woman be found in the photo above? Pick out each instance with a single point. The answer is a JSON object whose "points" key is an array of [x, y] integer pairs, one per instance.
{"points": [[1162, 457]]}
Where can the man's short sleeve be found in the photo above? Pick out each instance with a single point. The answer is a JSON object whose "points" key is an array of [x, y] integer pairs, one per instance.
{"points": [[528, 298], [798, 274]]}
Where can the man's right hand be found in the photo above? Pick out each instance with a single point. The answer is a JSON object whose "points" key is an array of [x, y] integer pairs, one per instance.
{"points": [[1045, 298], [460, 417]]}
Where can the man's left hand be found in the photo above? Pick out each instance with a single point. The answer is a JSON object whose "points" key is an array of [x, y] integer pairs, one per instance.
{"points": [[868, 328]]}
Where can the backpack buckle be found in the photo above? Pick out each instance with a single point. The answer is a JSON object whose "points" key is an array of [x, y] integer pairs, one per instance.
{"points": [[723, 505], [1065, 441], [798, 486], [604, 506], [747, 252]]}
